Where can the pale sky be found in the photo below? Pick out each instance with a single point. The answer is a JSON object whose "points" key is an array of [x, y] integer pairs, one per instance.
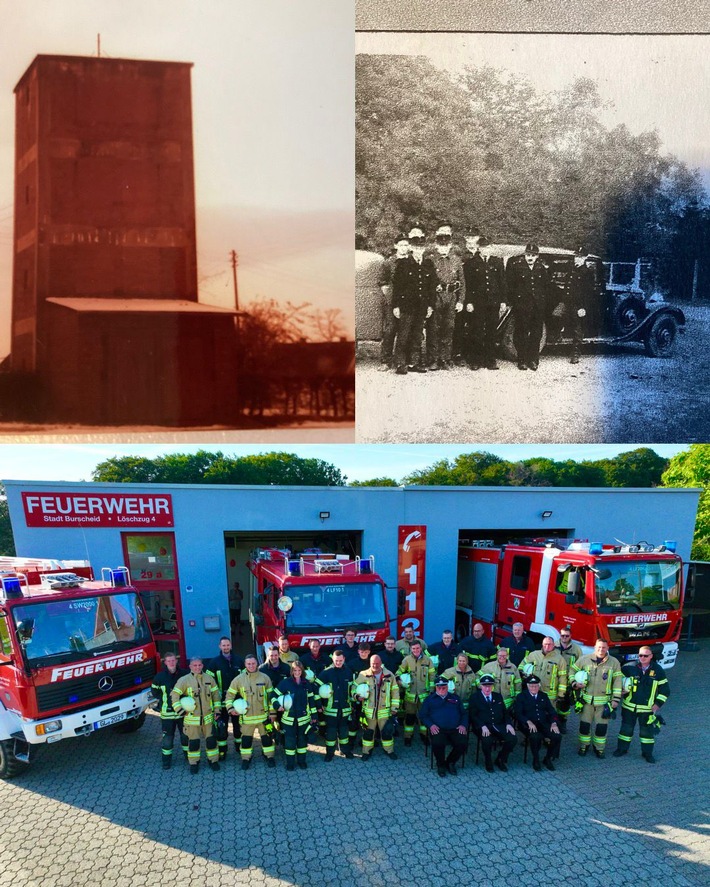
{"points": [[72, 462], [654, 81], [272, 96]]}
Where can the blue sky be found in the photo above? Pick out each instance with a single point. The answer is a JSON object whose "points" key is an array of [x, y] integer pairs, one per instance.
{"points": [[72, 462]]}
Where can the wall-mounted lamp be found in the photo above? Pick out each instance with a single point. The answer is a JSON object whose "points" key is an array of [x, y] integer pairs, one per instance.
{"points": [[546, 514], [323, 515]]}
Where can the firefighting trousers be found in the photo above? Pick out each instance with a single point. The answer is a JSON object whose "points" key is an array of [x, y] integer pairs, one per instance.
{"points": [[295, 739], [354, 720], [535, 741], [457, 741], [221, 732], [386, 728], [564, 705], [337, 729], [265, 731], [168, 727], [628, 722], [411, 711], [194, 733], [592, 727]]}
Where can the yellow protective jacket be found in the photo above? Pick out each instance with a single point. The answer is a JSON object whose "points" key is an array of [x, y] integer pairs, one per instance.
{"points": [[383, 698], [551, 668], [507, 680], [405, 647], [572, 654], [464, 682], [256, 689], [423, 676], [204, 690], [604, 679]]}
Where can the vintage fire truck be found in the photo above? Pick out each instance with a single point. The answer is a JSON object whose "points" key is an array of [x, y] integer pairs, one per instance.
{"points": [[315, 595], [76, 655], [629, 595]]}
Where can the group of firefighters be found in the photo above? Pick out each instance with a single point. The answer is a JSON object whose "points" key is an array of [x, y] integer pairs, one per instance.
{"points": [[445, 691], [441, 306]]}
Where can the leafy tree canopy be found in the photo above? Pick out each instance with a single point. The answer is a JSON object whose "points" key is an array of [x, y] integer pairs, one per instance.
{"points": [[691, 468]]}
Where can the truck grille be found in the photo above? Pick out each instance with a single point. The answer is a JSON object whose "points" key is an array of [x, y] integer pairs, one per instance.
{"points": [[634, 633], [70, 694]]}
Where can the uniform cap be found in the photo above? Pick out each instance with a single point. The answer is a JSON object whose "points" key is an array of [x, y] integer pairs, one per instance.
{"points": [[532, 249], [441, 682], [533, 679], [416, 231], [483, 241], [401, 236], [472, 231], [443, 229], [487, 679]]}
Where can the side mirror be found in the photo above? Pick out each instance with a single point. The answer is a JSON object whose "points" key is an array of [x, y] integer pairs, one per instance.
{"points": [[603, 574], [573, 583]]}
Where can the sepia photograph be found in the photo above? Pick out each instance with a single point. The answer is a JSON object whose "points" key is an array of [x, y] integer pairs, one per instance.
{"points": [[176, 217], [532, 221]]}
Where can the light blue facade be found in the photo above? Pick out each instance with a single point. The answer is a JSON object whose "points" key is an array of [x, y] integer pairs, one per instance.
{"points": [[203, 514]]}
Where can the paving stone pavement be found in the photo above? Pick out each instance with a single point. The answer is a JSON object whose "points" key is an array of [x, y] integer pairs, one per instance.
{"points": [[101, 810]]}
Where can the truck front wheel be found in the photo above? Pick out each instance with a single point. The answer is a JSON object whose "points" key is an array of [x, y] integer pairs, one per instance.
{"points": [[660, 339], [10, 765], [130, 725]]}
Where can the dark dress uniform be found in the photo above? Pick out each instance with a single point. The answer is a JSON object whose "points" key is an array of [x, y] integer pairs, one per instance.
{"points": [[493, 714], [389, 321], [530, 288], [578, 293], [413, 292], [448, 714], [541, 712], [485, 284]]}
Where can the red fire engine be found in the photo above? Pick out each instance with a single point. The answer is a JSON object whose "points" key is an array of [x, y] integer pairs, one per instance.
{"points": [[76, 655], [315, 595], [629, 595]]}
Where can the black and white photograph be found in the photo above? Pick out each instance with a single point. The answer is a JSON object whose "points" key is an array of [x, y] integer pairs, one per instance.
{"points": [[532, 222]]}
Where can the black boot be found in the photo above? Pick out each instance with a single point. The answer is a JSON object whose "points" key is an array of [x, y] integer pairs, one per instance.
{"points": [[620, 752], [167, 762]]}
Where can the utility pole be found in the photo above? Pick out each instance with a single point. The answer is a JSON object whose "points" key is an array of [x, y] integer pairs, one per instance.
{"points": [[235, 262], [98, 45]]}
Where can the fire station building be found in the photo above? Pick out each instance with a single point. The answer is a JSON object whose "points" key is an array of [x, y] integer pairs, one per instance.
{"points": [[187, 546]]}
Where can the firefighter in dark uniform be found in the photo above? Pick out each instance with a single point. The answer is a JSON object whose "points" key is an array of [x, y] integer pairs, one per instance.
{"points": [[478, 648], [277, 670], [463, 323], [579, 290], [518, 644], [450, 292], [491, 721], [224, 668], [391, 657], [170, 720], [530, 287], [485, 284], [389, 321], [537, 720], [446, 651], [444, 715], [413, 297], [298, 716], [314, 660], [337, 706], [648, 691], [362, 663]]}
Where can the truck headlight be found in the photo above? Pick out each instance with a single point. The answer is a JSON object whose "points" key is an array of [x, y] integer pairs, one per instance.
{"points": [[48, 727]]}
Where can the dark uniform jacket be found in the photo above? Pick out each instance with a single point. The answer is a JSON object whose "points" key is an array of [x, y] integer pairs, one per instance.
{"points": [[350, 653], [537, 709], [304, 700], [163, 684], [414, 285], [493, 715], [446, 712], [478, 650], [224, 670], [391, 661], [276, 674], [529, 288], [647, 689], [579, 288], [340, 679], [447, 655], [517, 649], [484, 281], [315, 665]]}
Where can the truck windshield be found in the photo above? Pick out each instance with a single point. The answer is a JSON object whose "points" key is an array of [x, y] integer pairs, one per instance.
{"points": [[638, 586], [358, 604], [66, 630]]}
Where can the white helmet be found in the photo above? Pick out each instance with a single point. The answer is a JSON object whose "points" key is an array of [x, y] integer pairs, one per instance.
{"points": [[452, 686], [287, 701], [581, 677], [434, 660], [362, 690], [240, 705], [405, 679], [324, 691], [187, 703], [310, 674], [627, 683], [527, 668]]}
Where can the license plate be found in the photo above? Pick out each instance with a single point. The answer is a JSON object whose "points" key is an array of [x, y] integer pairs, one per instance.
{"points": [[106, 722]]}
